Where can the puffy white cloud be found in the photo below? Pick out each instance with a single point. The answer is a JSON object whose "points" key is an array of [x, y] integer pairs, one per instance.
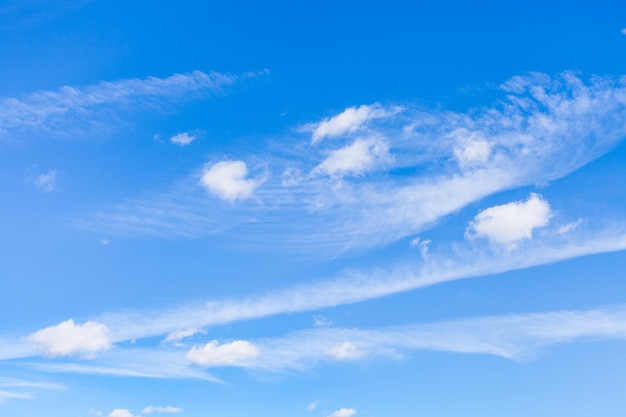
{"points": [[509, 223], [343, 412], [345, 351], [121, 412], [348, 121], [164, 410], [227, 180], [182, 139], [359, 157], [214, 354], [68, 338], [47, 181]]}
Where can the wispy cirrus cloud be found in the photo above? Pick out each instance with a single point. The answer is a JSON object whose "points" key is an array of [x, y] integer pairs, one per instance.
{"points": [[412, 167], [72, 111], [517, 337], [15, 388], [352, 286]]}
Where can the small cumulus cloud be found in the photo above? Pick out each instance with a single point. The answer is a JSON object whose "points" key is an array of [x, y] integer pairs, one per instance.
{"points": [[214, 354], [68, 338], [183, 139], [227, 180], [162, 410], [345, 351], [359, 157], [509, 223], [343, 412]]}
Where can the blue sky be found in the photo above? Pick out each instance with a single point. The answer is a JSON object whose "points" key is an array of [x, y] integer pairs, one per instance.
{"points": [[324, 209]]}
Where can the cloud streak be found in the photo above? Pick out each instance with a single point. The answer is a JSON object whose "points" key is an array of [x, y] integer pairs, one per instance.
{"points": [[73, 110]]}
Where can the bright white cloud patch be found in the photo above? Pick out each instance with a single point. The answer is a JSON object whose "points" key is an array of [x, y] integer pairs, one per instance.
{"points": [[348, 121], [182, 139], [47, 181], [214, 354], [345, 352], [181, 334], [227, 180], [472, 149], [509, 223], [121, 412], [68, 338], [343, 412], [163, 410], [359, 157]]}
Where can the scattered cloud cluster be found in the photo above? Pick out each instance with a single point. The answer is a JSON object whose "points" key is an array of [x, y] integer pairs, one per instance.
{"points": [[393, 171]]}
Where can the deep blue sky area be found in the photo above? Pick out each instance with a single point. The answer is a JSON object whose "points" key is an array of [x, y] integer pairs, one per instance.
{"points": [[314, 208]]}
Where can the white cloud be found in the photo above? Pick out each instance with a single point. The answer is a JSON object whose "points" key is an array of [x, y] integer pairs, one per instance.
{"points": [[181, 334], [7, 395], [312, 406], [471, 149], [47, 182], [71, 111], [165, 410], [509, 223], [343, 412], [345, 351], [542, 129], [121, 412], [516, 337], [359, 157], [321, 321], [623, 31], [569, 227], [227, 180], [423, 245], [348, 121], [183, 139], [67, 339], [214, 354]]}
